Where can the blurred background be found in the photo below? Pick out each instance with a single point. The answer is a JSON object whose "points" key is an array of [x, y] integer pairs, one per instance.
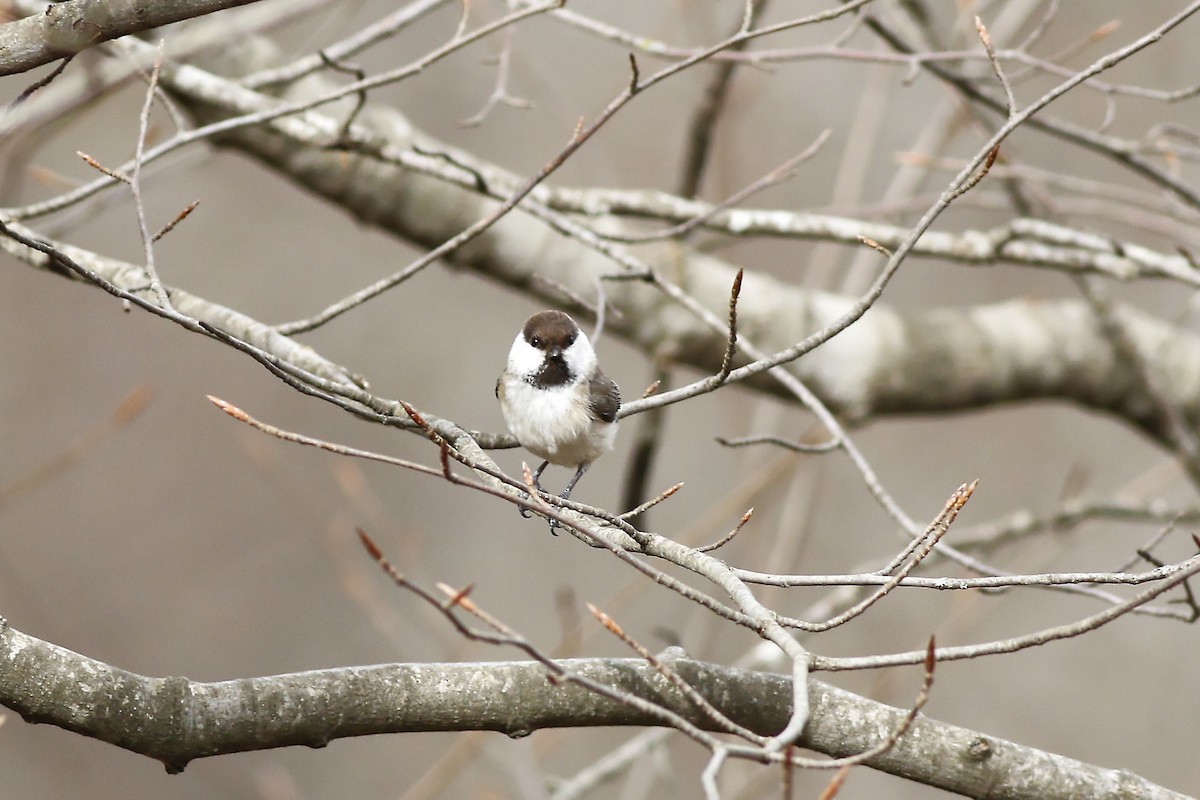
{"points": [[142, 527]]}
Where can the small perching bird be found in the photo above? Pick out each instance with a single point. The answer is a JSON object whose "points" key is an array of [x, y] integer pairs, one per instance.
{"points": [[554, 397]]}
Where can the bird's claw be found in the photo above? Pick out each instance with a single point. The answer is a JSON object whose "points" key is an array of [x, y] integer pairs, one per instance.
{"points": [[537, 487], [522, 510]]}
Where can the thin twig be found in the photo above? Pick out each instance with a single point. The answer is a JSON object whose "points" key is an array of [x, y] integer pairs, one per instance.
{"points": [[835, 784], [776, 176], [1186, 570], [787, 444], [1188, 599], [282, 113], [996, 66], [721, 721], [96, 165], [576, 298], [582, 134], [504, 635], [135, 184], [500, 93], [913, 555], [708, 778], [651, 503], [41, 83], [699, 141], [360, 98], [639, 470], [980, 175], [731, 342], [607, 767], [180, 217], [727, 538], [383, 29]]}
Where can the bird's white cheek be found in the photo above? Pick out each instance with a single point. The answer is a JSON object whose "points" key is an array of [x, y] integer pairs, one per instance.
{"points": [[523, 358], [580, 357]]}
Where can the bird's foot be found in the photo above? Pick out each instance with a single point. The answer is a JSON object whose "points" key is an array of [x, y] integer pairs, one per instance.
{"points": [[566, 495]]}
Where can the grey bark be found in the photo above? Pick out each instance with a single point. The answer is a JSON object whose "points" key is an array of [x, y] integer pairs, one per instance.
{"points": [[64, 29], [889, 362], [176, 720]]}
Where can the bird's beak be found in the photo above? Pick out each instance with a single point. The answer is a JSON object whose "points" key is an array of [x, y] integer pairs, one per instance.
{"points": [[555, 351]]}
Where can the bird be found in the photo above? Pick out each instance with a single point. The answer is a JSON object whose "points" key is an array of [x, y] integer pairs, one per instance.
{"points": [[555, 399]]}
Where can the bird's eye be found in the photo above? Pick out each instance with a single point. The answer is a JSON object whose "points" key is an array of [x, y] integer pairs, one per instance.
{"points": [[570, 340], [536, 341]]}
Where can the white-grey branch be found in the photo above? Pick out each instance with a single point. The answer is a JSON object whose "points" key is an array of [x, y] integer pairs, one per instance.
{"points": [[176, 720], [889, 362], [64, 29]]}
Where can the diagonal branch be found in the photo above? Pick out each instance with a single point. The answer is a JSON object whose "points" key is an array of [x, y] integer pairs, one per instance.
{"points": [[64, 29]]}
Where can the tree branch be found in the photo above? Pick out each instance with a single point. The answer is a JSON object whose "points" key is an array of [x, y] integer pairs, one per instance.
{"points": [[889, 362], [64, 29], [176, 720]]}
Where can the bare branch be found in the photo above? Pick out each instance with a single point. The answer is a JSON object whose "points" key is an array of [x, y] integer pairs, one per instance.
{"points": [[1012, 645], [383, 29], [731, 344], [67, 28], [996, 66], [727, 538], [719, 721], [135, 184], [41, 681], [797, 447], [180, 217], [499, 95], [651, 503]]}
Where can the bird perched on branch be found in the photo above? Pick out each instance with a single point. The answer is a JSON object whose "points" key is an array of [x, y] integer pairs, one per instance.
{"points": [[555, 398]]}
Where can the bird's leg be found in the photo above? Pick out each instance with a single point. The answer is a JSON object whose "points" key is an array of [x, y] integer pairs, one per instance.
{"points": [[537, 484], [566, 493], [571, 483]]}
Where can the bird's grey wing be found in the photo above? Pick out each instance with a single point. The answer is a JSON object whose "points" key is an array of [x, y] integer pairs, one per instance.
{"points": [[606, 397]]}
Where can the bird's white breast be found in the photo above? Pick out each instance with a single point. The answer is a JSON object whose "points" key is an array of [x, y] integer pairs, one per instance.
{"points": [[555, 423]]}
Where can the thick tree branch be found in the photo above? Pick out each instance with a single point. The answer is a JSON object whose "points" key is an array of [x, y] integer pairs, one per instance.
{"points": [[889, 362], [1022, 241], [176, 720], [64, 29], [669, 300]]}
